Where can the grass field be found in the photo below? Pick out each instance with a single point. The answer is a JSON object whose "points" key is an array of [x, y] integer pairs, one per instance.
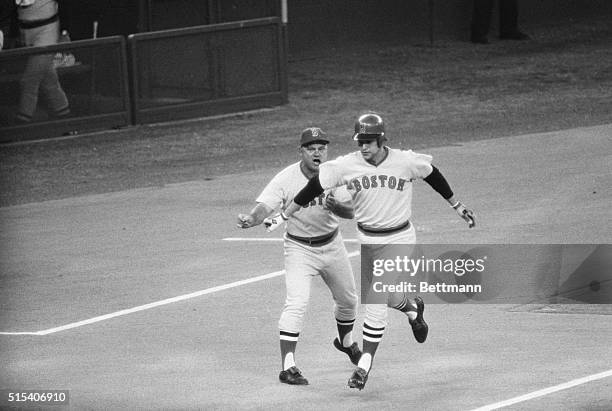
{"points": [[119, 283]]}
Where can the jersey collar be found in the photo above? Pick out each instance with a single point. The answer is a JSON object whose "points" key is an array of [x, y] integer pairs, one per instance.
{"points": [[387, 152]]}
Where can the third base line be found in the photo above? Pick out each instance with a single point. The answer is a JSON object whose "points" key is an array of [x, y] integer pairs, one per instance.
{"points": [[155, 304]]}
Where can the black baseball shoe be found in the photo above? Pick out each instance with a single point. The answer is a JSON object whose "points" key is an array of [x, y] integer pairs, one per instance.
{"points": [[358, 379], [292, 376], [353, 352], [419, 326]]}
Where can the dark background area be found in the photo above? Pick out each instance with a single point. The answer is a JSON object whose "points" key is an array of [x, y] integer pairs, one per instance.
{"points": [[430, 94], [316, 24], [135, 16], [437, 95]]}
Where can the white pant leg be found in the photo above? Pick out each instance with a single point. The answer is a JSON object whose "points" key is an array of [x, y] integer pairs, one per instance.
{"points": [[338, 275], [301, 265], [377, 314]]}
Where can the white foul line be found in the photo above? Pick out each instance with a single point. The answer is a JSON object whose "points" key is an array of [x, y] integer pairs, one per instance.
{"points": [[545, 391], [266, 239], [254, 239], [155, 304]]}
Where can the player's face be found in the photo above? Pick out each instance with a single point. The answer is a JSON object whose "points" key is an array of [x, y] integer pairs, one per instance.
{"points": [[313, 155], [369, 149]]}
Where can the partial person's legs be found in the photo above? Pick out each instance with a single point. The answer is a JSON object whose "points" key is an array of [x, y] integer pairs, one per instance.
{"points": [[298, 277], [400, 301], [30, 82], [50, 87], [339, 278], [377, 303], [414, 312], [375, 319], [508, 21], [481, 21], [373, 330], [54, 95], [40, 75]]}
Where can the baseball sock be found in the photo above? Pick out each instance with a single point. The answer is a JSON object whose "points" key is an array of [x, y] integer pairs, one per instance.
{"points": [[345, 331], [407, 308], [372, 336], [288, 342]]}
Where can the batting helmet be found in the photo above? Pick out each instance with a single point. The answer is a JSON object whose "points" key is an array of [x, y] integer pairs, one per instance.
{"points": [[369, 126]]}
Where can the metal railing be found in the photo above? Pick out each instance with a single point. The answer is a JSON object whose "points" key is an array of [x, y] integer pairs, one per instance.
{"points": [[207, 70], [92, 74], [152, 77]]}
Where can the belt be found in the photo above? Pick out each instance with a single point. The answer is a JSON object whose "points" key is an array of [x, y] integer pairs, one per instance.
{"points": [[314, 241], [383, 231], [23, 24]]}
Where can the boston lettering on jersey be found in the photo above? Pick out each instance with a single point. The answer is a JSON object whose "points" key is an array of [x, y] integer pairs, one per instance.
{"points": [[317, 201], [375, 181]]}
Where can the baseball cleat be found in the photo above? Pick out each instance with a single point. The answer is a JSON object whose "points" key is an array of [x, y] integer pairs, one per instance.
{"points": [[353, 352], [419, 326], [358, 379], [292, 376]]}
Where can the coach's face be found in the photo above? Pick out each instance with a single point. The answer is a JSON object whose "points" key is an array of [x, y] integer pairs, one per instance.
{"points": [[313, 155]]}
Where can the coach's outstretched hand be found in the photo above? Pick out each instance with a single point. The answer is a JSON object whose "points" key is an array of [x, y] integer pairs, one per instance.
{"points": [[245, 221], [465, 213]]}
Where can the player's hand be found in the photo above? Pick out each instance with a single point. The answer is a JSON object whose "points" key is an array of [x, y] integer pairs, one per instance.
{"points": [[465, 213], [275, 221], [330, 202], [339, 208], [245, 221]]}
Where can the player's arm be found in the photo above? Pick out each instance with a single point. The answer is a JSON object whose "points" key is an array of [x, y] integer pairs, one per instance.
{"points": [[255, 217], [439, 183], [310, 191]]}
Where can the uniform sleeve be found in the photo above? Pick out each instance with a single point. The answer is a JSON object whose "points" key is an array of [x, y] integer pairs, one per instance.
{"points": [[420, 164], [273, 195], [330, 174]]}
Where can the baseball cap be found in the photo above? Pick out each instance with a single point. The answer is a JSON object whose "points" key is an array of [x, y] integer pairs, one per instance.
{"points": [[313, 135]]}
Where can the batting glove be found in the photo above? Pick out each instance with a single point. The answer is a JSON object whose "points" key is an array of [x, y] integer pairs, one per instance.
{"points": [[272, 223], [465, 213]]}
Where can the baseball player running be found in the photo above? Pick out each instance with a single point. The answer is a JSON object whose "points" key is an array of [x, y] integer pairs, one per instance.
{"points": [[379, 179], [313, 246]]}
